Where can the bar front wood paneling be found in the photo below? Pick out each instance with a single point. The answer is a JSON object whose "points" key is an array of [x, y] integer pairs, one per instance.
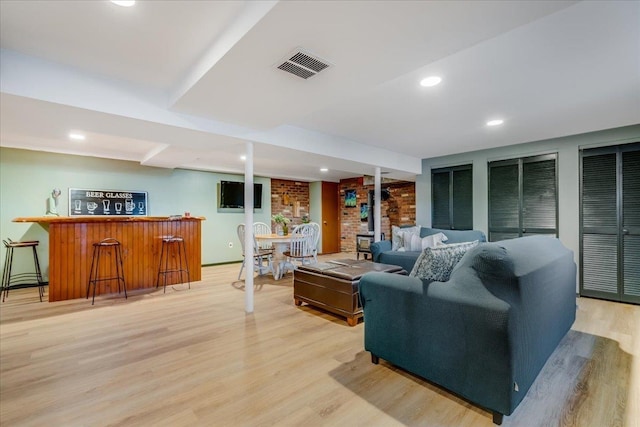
{"points": [[71, 242]]}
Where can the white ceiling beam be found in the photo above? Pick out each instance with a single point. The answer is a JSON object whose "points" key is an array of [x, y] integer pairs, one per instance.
{"points": [[251, 14], [34, 78]]}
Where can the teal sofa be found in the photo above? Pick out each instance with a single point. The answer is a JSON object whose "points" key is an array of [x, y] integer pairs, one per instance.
{"points": [[487, 332], [381, 251]]}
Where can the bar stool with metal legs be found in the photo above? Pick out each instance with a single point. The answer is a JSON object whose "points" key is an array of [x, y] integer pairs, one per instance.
{"points": [[21, 280], [173, 247], [106, 247]]}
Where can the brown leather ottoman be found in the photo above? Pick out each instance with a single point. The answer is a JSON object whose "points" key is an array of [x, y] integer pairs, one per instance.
{"points": [[333, 286]]}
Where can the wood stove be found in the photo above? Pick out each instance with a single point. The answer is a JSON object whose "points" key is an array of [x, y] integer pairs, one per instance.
{"points": [[363, 243]]}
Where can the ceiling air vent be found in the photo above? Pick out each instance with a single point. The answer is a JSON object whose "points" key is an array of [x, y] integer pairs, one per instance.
{"points": [[302, 64]]}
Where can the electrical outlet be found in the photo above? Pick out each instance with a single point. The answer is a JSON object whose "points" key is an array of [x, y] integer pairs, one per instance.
{"points": [[231, 244]]}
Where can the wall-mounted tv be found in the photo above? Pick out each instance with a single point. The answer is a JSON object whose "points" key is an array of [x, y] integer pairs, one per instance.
{"points": [[232, 195]]}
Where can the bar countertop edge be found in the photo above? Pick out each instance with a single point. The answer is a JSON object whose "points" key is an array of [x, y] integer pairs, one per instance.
{"points": [[81, 219]]}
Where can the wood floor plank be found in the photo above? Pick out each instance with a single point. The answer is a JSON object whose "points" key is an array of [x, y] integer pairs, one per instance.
{"points": [[195, 358]]}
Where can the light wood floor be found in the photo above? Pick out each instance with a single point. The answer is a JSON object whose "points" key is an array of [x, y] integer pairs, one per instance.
{"points": [[195, 358]]}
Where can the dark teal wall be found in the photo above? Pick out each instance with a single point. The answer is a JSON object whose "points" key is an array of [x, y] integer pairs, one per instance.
{"points": [[568, 149]]}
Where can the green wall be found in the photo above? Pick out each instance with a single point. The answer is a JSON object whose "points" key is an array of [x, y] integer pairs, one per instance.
{"points": [[27, 178], [568, 149]]}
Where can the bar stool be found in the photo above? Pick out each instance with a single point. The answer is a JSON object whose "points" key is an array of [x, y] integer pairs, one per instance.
{"points": [[109, 246], [173, 247], [21, 280]]}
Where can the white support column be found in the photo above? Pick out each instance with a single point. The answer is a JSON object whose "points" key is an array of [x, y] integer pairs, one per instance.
{"points": [[378, 206], [248, 229]]}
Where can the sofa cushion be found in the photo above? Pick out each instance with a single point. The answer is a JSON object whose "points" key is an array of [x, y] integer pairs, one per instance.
{"points": [[436, 264], [405, 260], [455, 236]]}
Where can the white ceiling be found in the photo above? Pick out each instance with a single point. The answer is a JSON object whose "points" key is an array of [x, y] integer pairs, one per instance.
{"points": [[184, 84]]}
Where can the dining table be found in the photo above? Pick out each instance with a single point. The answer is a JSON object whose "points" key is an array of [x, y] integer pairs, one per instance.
{"points": [[280, 246]]}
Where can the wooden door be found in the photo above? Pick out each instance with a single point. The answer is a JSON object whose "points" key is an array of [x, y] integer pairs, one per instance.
{"points": [[330, 218]]}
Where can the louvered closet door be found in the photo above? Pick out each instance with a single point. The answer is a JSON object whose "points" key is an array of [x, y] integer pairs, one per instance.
{"points": [[599, 258], [631, 225], [523, 197], [504, 200], [462, 199], [452, 198], [440, 199], [610, 223], [539, 196]]}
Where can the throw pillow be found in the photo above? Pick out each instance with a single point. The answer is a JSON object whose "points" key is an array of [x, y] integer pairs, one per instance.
{"points": [[436, 264], [396, 237], [410, 241], [413, 242], [433, 241]]}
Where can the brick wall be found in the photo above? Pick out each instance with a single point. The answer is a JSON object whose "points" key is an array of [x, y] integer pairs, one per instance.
{"points": [[291, 198], [399, 209]]}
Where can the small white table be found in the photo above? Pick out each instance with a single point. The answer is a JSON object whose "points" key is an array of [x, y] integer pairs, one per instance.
{"points": [[280, 245]]}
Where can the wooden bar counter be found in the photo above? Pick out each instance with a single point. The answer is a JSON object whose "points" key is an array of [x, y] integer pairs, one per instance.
{"points": [[71, 242]]}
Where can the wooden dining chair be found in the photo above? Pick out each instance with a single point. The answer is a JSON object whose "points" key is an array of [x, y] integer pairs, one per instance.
{"points": [[262, 258], [316, 239], [302, 246], [262, 228]]}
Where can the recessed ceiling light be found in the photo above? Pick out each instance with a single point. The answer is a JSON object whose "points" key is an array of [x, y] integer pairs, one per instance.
{"points": [[77, 136], [124, 3], [243, 157], [430, 81], [324, 170], [496, 122]]}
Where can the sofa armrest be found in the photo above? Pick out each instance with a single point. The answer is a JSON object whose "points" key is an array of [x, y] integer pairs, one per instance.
{"points": [[454, 334], [377, 248]]}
